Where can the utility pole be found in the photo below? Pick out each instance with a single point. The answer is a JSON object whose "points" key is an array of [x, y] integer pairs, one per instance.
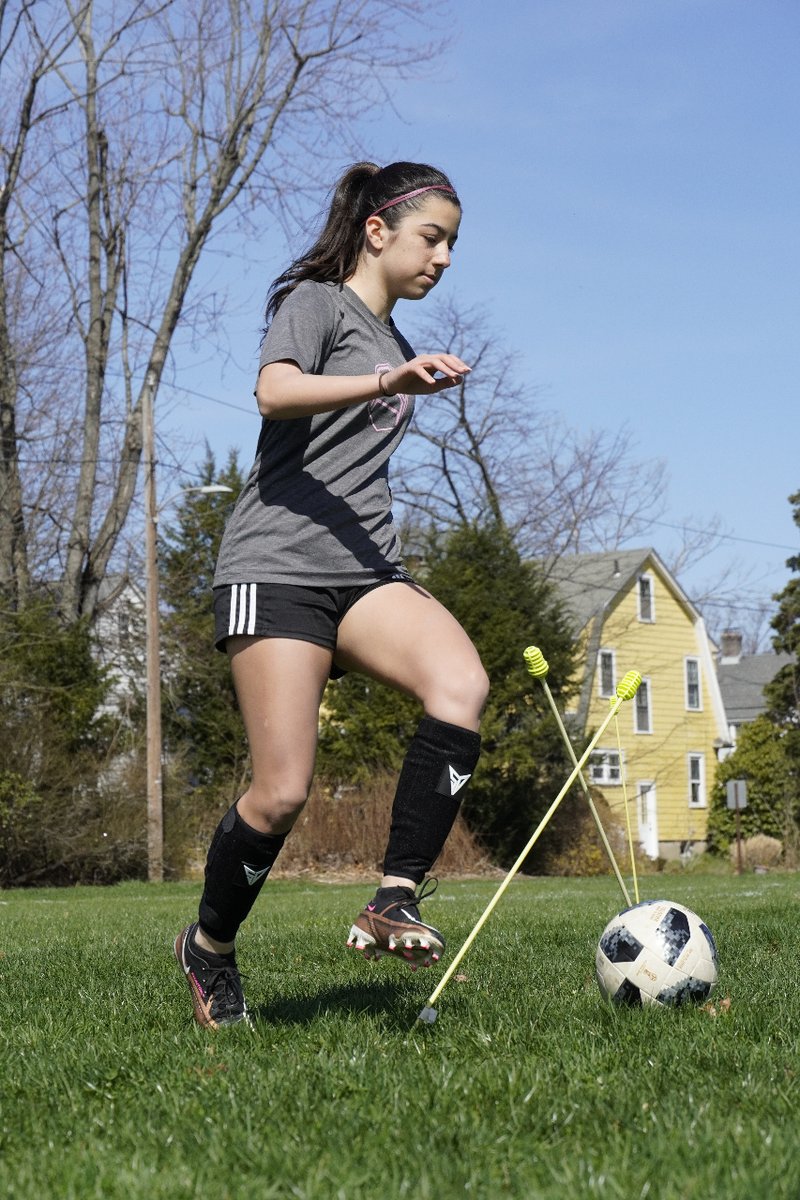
{"points": [[155, 804], [736, 792]]}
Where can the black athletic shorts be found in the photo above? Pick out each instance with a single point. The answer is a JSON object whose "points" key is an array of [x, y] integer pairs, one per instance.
{"points": [[287, 610]]}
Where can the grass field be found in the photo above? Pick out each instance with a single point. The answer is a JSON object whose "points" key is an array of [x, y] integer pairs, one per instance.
{"points": [[527, 1085]]}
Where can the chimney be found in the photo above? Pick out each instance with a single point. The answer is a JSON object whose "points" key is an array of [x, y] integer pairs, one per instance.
{"points": [[730, 646]]}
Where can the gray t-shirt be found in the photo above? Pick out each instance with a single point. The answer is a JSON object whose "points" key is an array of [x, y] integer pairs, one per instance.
{"points": [[316, 507]]}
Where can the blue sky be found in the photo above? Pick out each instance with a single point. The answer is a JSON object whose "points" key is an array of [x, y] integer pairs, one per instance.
{"points": [[630, 174]]}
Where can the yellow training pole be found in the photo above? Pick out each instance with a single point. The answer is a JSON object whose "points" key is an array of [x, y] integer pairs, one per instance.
{"points": [[538, 667], [631, 849], [626, 690]]}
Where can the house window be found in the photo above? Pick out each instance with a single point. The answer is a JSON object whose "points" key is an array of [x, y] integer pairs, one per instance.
{"points": [[641, 712], [645, 594], [605, 767], [693, 684], [697, 780], [123, 627], [606, 672]]}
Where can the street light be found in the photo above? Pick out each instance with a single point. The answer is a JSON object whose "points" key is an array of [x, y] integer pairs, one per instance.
{"points": [[155, 804]]}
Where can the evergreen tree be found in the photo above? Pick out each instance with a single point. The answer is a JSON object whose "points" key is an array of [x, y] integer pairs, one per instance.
{"points": [[761, 759], [54, 741], [505, 605], [49, 677], [783, 693], [204, 739]]}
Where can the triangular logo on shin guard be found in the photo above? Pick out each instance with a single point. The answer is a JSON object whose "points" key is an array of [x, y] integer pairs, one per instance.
{"points": [[254, 874], [451, 782]]}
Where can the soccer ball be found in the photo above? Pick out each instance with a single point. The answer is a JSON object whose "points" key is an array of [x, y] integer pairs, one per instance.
{"points": [[657, 952]]}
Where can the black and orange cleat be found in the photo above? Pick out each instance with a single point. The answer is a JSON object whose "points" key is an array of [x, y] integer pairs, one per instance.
{"points": [[214, 982], [390, 924]]}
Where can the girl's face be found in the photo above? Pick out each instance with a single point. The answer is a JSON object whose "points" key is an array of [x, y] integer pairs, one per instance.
{"points": [[412, 258]]}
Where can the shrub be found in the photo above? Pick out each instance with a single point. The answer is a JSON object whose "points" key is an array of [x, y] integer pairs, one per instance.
{"points": [[20, 815], [571, 845], [338, 833], [758, 851], [773, 803]]}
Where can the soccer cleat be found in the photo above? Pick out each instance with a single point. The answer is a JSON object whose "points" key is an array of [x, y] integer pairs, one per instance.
{"points": [[390, 924], [214, 982]]}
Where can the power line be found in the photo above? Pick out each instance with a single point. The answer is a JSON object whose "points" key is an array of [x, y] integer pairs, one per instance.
{"points": [[731, 606], [178, 387], [729, 537]]}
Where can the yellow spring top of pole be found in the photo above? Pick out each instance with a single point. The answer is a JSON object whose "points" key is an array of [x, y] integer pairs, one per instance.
{"points": [[535, 661], [627, 687]]}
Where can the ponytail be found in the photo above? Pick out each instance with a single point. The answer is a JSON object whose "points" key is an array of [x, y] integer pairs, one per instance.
{"points": [[363, 189]]}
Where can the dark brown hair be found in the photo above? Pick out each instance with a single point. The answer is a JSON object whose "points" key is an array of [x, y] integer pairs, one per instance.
{"points": [[361, 190]]}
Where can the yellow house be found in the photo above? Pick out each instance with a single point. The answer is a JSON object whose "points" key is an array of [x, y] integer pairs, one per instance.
{"points": [[633, 616]]}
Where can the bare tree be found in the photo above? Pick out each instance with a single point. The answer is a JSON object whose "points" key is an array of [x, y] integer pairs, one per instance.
{"points": [[145, 127], [26, 62], [487, 449], [731, 596]]}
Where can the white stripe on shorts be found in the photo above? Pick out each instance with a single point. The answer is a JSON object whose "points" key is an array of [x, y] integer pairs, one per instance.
{"points": [[232, 616], [243, 609], [251, 624]]}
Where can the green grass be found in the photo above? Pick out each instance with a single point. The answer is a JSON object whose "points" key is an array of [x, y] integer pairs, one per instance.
{"points": [[527, 1085]]}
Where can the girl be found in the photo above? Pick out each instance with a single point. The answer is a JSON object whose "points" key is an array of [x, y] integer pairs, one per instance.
{"points": [[310, 579]]}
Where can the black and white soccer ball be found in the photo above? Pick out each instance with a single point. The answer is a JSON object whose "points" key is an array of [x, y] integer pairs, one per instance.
{"points": [[657, 952]]}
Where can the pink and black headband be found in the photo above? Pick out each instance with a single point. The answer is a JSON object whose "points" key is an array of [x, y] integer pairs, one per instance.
{"points": [[433, 187]]}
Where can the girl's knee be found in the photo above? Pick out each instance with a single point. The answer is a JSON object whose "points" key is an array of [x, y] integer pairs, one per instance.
{"points": [[459, 698], [482, 686], [473, 686], [272, 810]]}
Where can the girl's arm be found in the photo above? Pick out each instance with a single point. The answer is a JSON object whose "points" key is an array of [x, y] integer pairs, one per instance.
{"points": [[283, 391]]}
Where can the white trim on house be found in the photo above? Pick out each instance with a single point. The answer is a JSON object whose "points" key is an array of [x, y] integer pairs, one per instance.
{"points": [[712, 683]]}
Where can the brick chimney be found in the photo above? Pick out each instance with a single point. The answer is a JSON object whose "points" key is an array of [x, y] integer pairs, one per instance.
{"points": [[730, 646]]}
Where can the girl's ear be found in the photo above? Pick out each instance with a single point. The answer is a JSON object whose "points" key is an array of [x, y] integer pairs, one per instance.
{"points": [[375, 231]]}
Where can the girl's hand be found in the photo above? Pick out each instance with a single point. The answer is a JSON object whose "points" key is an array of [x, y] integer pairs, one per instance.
{"points": [[418, 377]]}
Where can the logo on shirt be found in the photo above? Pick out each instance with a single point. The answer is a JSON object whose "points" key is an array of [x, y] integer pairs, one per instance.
{"points": [[387, 412]]}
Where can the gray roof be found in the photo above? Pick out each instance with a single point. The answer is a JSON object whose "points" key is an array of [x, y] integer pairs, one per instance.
{"points": [[742, 684], [587, 583]]}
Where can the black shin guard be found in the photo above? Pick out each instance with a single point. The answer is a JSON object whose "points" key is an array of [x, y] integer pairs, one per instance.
{"points": [[436, 769], [239, 860]]}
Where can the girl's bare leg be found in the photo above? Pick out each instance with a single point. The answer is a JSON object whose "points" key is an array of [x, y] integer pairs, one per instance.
{"points": [[279, 684], [400, 635]]}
